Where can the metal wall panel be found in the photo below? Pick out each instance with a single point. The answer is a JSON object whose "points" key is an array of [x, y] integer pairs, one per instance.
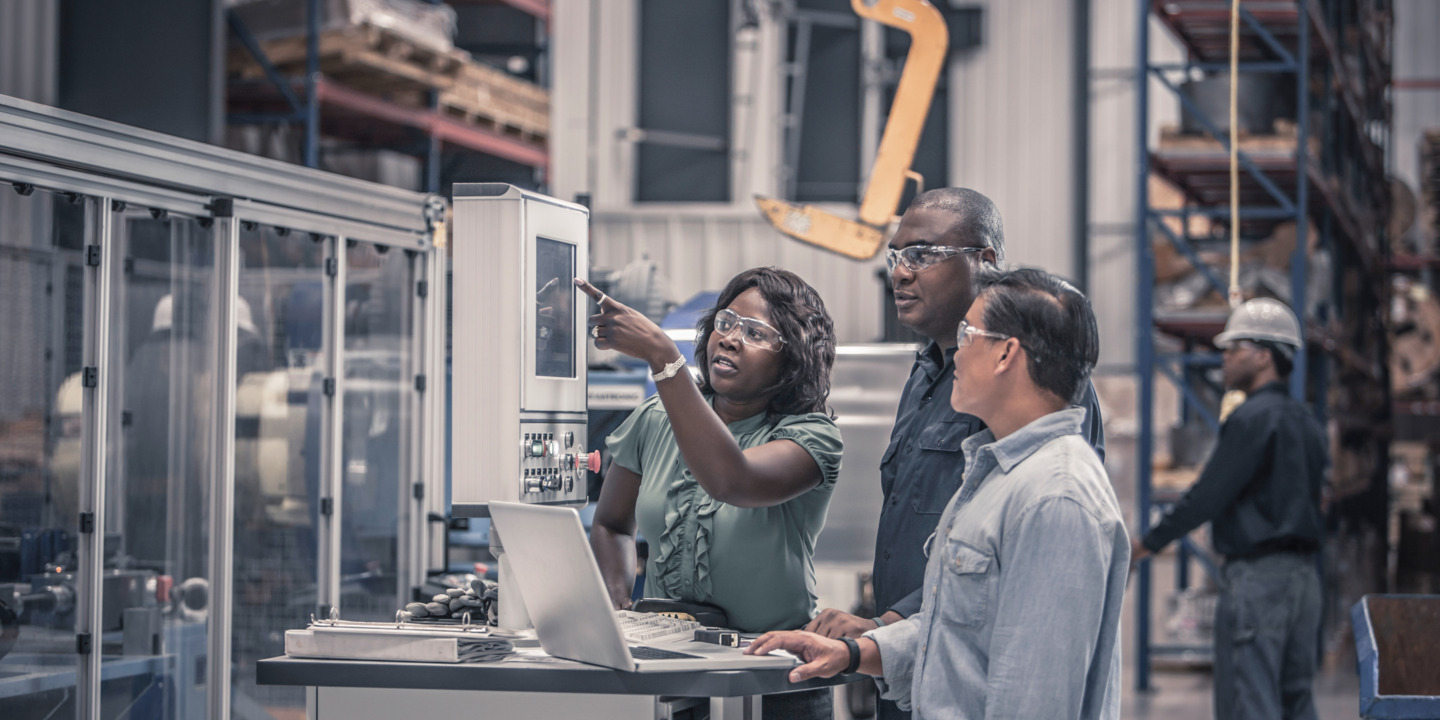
{"points": [[698, 250], [1112, 168], [28, 40], [1011, 135], [1010, 105], [1010, 128], [1416, 109]]}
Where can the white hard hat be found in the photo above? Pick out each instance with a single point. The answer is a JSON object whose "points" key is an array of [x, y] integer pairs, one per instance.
{"points": [[164, 317], [1261, 319], [243, 318]]}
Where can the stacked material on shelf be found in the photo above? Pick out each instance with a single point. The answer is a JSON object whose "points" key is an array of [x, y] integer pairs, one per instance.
{"points": [[366, 57], [371, 53], [425, 24], [1264, 261], [1402, 218], [1429, 224], [1414, 337]]}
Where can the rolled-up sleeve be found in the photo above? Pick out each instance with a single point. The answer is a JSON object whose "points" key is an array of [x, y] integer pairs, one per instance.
{"points": [[898, 643], [819, 436]]}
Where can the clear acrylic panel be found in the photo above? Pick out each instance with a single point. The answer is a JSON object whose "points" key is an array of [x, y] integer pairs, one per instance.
{"points": [[277, 456], [376, 426], [41, 328], [155, 588]]}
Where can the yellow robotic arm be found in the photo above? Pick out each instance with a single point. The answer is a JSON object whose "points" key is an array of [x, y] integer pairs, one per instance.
{"points": [[929, 41]]}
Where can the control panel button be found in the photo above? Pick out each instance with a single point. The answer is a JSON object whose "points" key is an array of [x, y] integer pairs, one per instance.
{"points": [[569, 439]]}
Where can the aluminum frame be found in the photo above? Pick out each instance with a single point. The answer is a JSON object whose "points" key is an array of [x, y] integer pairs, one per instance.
{"points": [[90, 556], [414, 239], [65, 180], [222, 458], [435, 408], [113, 150], [332, 416], [106, 164]]}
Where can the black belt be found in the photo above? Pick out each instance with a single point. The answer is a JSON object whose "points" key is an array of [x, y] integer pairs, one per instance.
{"points": [[1286, 546]]}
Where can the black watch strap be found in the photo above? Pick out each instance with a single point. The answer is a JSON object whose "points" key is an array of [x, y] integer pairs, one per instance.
{"points": [[854, 655]]}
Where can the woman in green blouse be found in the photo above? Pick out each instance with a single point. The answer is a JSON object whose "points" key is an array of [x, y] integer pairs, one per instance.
{"points": [[729, 480]]}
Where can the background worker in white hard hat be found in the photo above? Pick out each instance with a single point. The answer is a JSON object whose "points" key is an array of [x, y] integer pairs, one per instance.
{"points": [[1260, 490]]}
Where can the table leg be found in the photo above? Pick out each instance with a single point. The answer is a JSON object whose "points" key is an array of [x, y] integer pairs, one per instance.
{"points": [[735, 708]]}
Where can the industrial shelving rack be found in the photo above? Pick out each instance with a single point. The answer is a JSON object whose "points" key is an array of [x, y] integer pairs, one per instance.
{"points": [[353, 112], [1331, 181]]}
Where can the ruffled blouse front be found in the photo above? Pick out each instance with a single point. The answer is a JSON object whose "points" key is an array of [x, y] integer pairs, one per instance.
{"points": [[756, 563]]}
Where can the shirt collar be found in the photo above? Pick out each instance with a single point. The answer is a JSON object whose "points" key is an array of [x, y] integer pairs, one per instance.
{"points": [[1279, 386], [1021, 444], [933, 360]]}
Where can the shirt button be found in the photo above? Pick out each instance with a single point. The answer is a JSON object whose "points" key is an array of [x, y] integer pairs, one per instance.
{"points": [[925, 399], [887, 554], [907, 448]]}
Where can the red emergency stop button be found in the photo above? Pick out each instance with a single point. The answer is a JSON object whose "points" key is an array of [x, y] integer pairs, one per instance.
{"points": [[592, 461]]}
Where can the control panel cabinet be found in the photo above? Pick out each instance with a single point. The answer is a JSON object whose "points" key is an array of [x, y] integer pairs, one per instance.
{"points": [[518, 377]]}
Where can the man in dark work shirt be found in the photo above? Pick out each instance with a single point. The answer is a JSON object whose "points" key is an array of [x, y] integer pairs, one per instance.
{"points": [[1260, 491], [942, 237]]}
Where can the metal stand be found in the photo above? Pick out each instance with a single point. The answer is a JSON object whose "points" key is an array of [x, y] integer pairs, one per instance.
{"points": [[513, 615]]}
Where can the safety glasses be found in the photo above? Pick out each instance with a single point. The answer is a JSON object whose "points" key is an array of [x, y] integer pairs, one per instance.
{"points": [[755, 333], [919, 257], [967, 332]]}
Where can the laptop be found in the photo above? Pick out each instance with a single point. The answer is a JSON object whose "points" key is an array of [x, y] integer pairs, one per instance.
{"points": [[565, 596]]}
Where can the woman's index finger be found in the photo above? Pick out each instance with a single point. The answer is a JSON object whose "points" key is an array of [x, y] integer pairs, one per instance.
{"points": [[588, 289]]}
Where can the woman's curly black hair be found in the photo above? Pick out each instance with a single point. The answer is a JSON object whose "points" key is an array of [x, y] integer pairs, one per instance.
{"points": [[797, 311]]}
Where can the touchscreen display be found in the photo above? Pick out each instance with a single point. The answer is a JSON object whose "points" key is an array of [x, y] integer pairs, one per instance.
{"points": [[554, 308]]}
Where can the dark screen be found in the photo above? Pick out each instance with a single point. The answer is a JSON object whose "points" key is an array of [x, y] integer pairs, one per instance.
{"points": [[554, 308]]}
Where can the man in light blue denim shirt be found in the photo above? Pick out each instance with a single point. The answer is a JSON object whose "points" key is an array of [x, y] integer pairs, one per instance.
{"points": [[1023, 590]]}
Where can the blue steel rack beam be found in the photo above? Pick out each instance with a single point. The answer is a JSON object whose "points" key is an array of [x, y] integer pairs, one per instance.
{"points": [[309, 113], [1144, 340]]}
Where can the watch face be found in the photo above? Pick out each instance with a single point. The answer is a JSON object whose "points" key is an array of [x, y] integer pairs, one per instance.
{"points": [[669, 370]]}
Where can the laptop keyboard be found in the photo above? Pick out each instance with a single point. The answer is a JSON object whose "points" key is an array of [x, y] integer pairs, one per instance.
{"points": [[640, 627], [642, 652]]}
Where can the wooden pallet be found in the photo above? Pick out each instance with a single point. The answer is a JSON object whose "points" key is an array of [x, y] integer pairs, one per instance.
{"points": [[485, 96], [363, 57], [380, 62], [1282, 141]]}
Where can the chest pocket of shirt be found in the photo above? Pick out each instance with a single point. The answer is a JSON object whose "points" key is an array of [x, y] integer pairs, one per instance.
{"points": [[945, 436], [964, 593], [941, 437]]}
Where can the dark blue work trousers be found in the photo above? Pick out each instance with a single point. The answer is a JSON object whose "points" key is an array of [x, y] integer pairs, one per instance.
{"points": [[1267, 627]]}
